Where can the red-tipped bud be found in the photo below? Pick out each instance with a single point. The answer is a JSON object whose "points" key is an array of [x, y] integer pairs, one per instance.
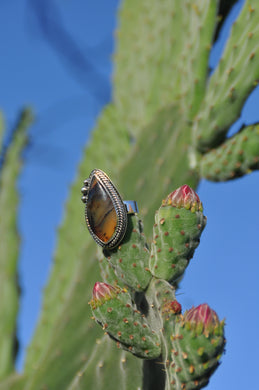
{"points": [[202, 313], [176, 307], [184, 197], [202, 317], [172, 307], [103, 291]]}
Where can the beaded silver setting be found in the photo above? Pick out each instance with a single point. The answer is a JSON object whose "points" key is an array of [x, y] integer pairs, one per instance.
{"points": [[106, 214]]}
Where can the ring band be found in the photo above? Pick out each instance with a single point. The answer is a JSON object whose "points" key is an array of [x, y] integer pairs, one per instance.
{"points": [[131, 206]]}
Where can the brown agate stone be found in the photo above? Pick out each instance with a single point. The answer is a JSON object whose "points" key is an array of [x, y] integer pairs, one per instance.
{"points": [[100, 211]]}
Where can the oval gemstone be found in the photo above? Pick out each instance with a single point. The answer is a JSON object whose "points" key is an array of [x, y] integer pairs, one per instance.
{"points": [[100, 211], [105, 212]]}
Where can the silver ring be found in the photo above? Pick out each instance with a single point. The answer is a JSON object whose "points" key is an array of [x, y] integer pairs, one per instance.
{"points": [[105, 211]]}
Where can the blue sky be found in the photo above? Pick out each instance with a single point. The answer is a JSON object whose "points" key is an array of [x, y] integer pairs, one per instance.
{"points": [[66, 99]]}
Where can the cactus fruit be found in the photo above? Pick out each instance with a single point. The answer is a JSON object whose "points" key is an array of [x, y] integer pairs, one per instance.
{"points": [[149, 324], [179, 223]]}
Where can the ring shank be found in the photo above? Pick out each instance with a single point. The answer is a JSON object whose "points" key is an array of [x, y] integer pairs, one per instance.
{"points": [[131, 206]]}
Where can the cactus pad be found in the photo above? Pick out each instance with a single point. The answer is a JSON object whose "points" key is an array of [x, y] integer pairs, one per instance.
{"points": [[176, 235], [238, 156], [125, 324]]}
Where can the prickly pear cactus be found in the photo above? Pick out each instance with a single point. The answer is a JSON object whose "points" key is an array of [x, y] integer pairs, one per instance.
{"points": [[149, 324], [166, 125], [10, 167]]}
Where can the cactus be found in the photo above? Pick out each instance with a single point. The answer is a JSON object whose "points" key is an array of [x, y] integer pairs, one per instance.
{"points": [[167, 125], [11, 165], [236, 157], [149, 324]]}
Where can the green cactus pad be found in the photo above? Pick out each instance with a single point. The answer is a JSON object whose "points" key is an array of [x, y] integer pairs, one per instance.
{"points": [[107, 271], [238, 156], [190, 350], [10, 242], [195, 354], [13, 382], [130, 258], [107, 369], [234, 78], [158, 295], [147, 176], [126, 325], [154, 65], [176, 234]]}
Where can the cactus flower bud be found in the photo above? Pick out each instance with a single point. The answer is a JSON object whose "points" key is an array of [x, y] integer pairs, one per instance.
{"points": [[171, 307], [202, 318], [176, 307], [202, 313], [184, 197], [103, 292]]}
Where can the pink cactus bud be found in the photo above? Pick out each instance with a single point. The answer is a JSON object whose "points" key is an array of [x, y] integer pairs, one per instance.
{"points": [[103, 291], [184, 197], [202, 316]]}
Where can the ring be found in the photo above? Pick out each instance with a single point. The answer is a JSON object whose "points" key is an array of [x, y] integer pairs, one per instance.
{"points": [[105, 212]]}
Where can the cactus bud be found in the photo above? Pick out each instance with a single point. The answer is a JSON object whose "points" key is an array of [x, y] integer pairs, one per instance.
{"points": [[202, 316], [103, 291], [184, 197], [171, 307], [176, 307]]}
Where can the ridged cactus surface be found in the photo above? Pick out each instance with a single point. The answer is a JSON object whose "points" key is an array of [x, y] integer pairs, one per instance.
{"points": [[11, 165], [130, 261], [236, 157], [167, 125], [168, 44], [236, 75]]}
